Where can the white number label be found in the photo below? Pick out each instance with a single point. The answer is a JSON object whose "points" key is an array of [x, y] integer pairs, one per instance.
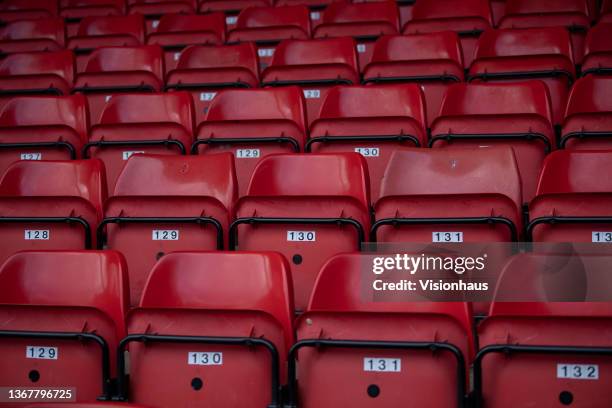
{"points": [[176, 56], [578, 371], [231, 20], [128, 154], [207, 96], [154, 23], [312, 93], [310, 236], [368, 151], [165, 235], [265, 52], [315, 15], [31, 156], [361, 48], [36, 235], [108, 98], [601, 236], [383, 365], [247, 153], [42, 353], [204, 358], [447, 237]]}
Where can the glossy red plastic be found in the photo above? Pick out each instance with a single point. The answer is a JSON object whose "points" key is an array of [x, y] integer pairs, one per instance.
{"points": [[269, 113], [75, 10], [154, 9], [597, 49], [33, 35], [231, 6], [12, 10]]}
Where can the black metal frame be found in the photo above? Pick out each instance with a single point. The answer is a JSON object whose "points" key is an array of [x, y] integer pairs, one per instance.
{"points": [[368, 138], [563, 220], [113, 143], [106, 378], [386, 345], [233, 230], [216, 85], [152, 220], [242, 140], [484, 136], [31, 91], [583, 135], [309, 82], [467, 220], [413, 78], [515, 348], [484, 76], [230, 341], [59, 143], [597, 71], [56, 220], [115, 88]]}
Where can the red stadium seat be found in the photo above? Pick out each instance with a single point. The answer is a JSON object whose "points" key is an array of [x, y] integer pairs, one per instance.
{"points": [[468, 18], [588, 117], [315, 66], [344, 334], [317, 7], [556, 352], [50, 205], [364, 22], [374, 121], [148, 123], [107, 31], [434, 61], [12, 10], [306, 206], [252, 124], [231, 8], [114, 70], [221, 329], [168, 203], [532, 53], [475, 194], [32, 35], [598, 50], [74, 11], [36, 73], [154, 10], [177, 31], [42, 128], [606, 12], [516, 115], [574, 198], [268, 26], [571, 14], [205, 70], [62, 315]]}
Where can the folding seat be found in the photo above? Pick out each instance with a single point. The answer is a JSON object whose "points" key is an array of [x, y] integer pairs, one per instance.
{"points": [[268, 26], [365, 22], [598, 50], [315, 66], [32, 35], [234, 325], [517, 115], [306, 206], [62, 315], [202, 71], [557, 353], [374, 121], [163, 204], [508, 55], [434, 61], [355, 349], [107, 31], [177, 31], [404, 7], [42, 128], [571, 14], [573, 202], [252, 124], [154, 10], [605, 12], [13, 10], [317, 7], [450, 195], [36, 73], [114, 70], [231, 8], [74, 11], [50, 205], [588, 117], [160, 123], [468, 18]]}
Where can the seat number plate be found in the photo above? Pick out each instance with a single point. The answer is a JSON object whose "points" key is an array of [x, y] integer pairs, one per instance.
{"points": [[165, 235], [204, 358], [601, 236], [128, 154], [41, 353], [248, 153], [300, 236], [368, 151], [578, 371], [447, 236], [31, 156], [33, 235], [382, 365]]}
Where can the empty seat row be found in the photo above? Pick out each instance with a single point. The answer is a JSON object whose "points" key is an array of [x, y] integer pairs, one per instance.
{"points": [[309, 207], [206, 325]]}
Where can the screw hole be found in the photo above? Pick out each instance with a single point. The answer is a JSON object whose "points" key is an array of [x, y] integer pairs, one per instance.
{"points": [[34, 376], [373, 390], [159, 255], [297, 259], [197, 384], [566, 398]]}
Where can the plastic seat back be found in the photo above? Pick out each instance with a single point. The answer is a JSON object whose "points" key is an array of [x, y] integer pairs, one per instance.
{"points": [[153, 10], [598, 51], [13, 10], [241, 322], [32, 35], [163, 204], [252, 124], [74, 11]]}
